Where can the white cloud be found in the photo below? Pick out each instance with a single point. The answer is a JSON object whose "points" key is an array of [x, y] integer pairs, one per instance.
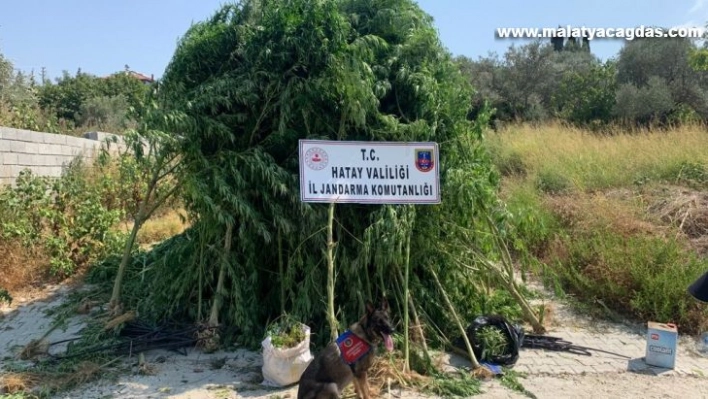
{"points": [[688, 24], [697, 6], [692, 24]]}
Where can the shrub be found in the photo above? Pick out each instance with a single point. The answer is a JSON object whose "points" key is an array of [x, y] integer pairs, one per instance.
{"points": [[552, 182], [373, 71], [5, 296], [103, 112], [640, 276], [73, 218], [586, 97], [644, 104]]}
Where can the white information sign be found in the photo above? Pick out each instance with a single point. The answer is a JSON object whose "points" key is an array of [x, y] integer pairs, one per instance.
{"points": [[368, 172]]}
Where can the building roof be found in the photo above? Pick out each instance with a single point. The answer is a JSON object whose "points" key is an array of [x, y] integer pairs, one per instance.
{"points": [[141, 77]]}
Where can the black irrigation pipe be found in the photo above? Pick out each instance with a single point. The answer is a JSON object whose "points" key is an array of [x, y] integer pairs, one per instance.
{"points": [[558, 344], [64, 341], [128, 347], [137, 337]]}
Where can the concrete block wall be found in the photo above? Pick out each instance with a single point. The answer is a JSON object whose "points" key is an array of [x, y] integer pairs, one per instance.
{"points": [[45, 154]]}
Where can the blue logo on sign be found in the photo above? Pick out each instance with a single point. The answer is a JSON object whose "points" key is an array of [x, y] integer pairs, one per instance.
{"points": [[424, 160]]}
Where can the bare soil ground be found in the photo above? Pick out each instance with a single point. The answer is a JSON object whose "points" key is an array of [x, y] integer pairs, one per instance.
{"points": [[237, 374]]}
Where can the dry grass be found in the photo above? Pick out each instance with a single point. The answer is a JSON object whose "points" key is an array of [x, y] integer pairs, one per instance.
{"points": [[22, 268], [208, 339], [590, 161], [27, 382], [34, 348], [601, 212], [685, 209], [11, 383], [160, 227], [388, 371], [385, 369]]}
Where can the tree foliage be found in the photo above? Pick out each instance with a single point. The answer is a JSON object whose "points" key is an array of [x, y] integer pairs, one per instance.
{"points": [[587, 96], [19, 106], [260, 75], [649, 103], [540, 81], [113, 103], [71, 97], [661, 70]]}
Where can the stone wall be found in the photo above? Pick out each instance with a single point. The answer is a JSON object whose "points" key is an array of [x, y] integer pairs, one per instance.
{"points": [[45, 154]]}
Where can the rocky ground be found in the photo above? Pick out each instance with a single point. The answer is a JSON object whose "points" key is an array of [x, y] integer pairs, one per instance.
{"points": [[618, 371]]}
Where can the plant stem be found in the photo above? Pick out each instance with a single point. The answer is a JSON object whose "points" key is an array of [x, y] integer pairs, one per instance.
{"points": [[281, 274], [418, 324], [219, 297], [406, 297], [331, 317], [200, 298], [470, 353], [508, 279], [114, 303], [144, 213]]}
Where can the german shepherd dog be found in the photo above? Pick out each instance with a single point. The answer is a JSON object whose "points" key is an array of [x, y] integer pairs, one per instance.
{"points": [[332, 370]]}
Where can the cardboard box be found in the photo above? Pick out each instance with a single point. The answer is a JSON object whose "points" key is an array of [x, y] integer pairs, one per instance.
{"points": [[661, 345]]}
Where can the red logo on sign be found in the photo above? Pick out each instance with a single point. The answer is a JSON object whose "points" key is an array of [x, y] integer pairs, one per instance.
{"points": [[316, 158], [655, 337]]}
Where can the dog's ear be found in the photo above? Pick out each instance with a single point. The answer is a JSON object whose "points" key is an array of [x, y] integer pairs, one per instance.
{"points": [[384, 304], [369, 307]]}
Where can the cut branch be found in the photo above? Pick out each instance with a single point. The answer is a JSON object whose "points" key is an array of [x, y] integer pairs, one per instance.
{"points": [[470, 352]]}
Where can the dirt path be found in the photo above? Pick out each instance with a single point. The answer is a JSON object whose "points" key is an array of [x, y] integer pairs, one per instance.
{"points": [[227, 375]]}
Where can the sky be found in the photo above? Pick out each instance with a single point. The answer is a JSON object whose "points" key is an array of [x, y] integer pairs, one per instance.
{"points": [[102, 36]]}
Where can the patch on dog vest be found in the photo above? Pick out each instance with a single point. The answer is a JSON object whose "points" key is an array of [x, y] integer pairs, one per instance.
{"points": [[352, 347]]}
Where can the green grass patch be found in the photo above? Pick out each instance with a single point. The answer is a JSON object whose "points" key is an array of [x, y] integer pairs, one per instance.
{"points": [[606, 253], [641, 276], [596, 214]]}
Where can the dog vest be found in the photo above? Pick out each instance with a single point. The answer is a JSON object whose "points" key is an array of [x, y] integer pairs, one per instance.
{"points": [[352, 347]]}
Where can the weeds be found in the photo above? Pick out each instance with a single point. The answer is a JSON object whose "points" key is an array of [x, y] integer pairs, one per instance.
{"points": [[163, 227], [449, 386], [65, 217], [596, 162], [692, 174], [510, 379], [75, 220], [5, 297], [46, 380], [631, 269], [552, 182], [617, 239]]}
